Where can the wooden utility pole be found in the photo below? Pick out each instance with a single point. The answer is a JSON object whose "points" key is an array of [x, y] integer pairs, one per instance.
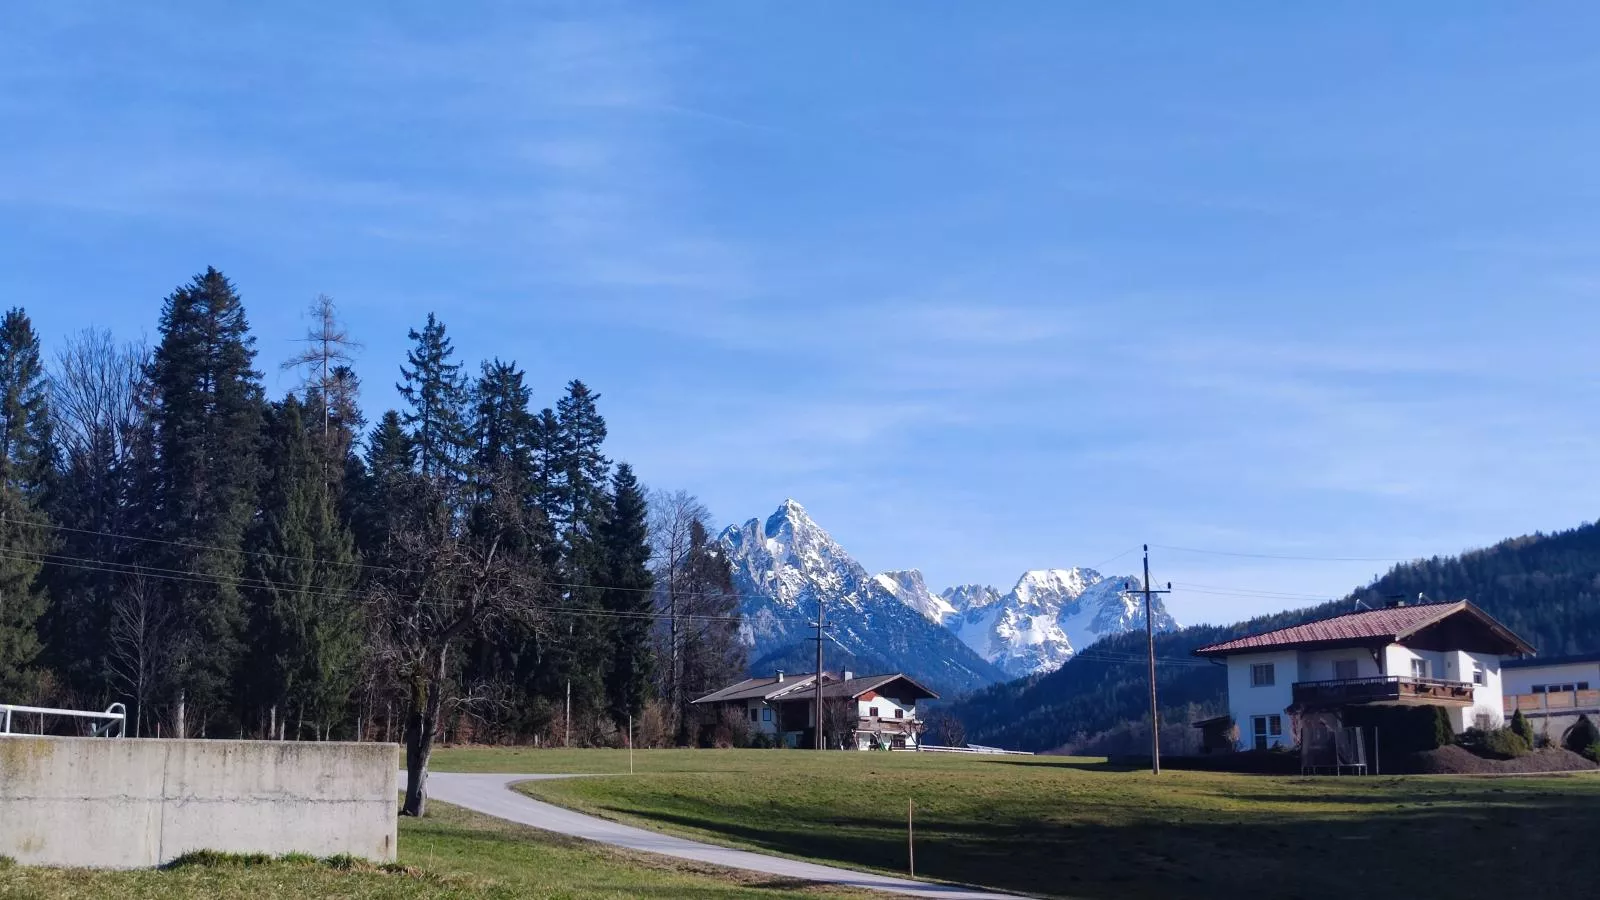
{"points": [[911, 835], [819, 671], [1150, 648]]}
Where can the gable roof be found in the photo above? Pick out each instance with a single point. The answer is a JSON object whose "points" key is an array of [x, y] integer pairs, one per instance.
{"points": [[770, 688], [1370, 626], [759, 688], [855, 687]]}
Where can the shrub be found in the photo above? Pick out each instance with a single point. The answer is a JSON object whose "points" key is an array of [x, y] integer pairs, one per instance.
{"points": [[1495, 743], [1593, 752], [1404, 729], [1521, 725], [1581, 736]]}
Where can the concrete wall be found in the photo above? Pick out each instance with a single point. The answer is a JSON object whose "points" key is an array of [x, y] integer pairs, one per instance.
{"points": [[129, 803]]}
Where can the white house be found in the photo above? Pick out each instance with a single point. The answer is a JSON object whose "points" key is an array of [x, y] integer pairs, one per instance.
{"points": [[1443, 654], [1552, 692], [862, 712]]}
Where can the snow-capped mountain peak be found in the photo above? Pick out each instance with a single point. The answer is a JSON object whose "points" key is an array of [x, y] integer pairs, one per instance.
{"points": [[788, 567], [908, 587], [1047, 616]]}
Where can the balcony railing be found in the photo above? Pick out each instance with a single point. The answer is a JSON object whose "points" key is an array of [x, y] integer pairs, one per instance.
{"points": [[1382, 689]]}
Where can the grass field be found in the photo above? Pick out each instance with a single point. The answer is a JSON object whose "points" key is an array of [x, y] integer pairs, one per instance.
{"points": [[1074, 828], [451, 853]]}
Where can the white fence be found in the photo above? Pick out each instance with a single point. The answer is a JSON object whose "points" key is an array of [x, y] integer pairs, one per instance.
{"points": [[973, 748], [114, 719]]}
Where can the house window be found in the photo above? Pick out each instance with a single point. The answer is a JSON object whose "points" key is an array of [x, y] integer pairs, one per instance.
{"points": [[1263, 675], [1484, 721], [1264, 729], [1419, 668], [899, 714], [766, 714], [1560, 688], [1345, 669], [1478, 675], [873, 712], [754, 715]]}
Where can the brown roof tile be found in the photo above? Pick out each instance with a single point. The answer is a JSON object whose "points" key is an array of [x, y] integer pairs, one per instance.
{"points": [[1374, 624]]}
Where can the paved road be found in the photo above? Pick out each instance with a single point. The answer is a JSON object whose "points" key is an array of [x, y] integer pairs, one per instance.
{"points": [[491, 795]]}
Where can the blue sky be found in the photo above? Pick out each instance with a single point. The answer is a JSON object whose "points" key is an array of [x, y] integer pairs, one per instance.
{"points": [[987, 287]]}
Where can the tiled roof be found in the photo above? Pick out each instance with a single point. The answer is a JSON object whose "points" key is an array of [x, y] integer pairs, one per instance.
{"points": [[1385, 625], [756, 688]]}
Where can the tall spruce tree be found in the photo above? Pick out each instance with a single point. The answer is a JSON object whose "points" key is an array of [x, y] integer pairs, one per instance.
{"points": [[202, 493], [25, 454], [624, 541], [582, 470], [306, 632], [579, 506], [436, 391], [26, 450]]}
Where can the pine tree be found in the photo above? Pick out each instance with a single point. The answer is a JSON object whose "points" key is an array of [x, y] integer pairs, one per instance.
{"points": [[26, 451], [25, 456], [202, 490], [22, 602], [437, 394], [581, 470], [625, 546], [306, 632], [578, 507], [713, 654], [388, 467]]}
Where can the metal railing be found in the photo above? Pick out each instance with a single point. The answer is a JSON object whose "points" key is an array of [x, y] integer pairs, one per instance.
{"points": [[115, 718]]}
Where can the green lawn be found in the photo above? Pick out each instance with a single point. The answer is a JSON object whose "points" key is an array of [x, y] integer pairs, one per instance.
{"points": [[451, 853], [1072, 828]]}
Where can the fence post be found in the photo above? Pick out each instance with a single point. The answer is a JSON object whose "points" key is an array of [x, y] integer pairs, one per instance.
{"points": [[911, 842]]}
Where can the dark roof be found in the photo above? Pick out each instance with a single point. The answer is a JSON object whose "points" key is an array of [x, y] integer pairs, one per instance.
{"points": [[771, 688], [1368, 626], [757, 688], [1530, 661], [855, 687]]}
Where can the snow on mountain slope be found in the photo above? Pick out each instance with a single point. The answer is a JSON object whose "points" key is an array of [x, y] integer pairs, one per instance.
{"points": [[788, 566], [1046, 617], [908, 587]]}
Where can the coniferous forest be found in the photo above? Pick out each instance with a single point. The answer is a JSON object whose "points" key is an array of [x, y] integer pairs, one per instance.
{"points": [[231, 564]]}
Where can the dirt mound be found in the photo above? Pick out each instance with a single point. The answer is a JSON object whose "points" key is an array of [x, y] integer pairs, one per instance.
{"points": [[1453, 760]]}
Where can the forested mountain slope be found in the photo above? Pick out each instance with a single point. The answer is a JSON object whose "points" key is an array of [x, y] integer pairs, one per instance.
{"points": [[1544, 587]]}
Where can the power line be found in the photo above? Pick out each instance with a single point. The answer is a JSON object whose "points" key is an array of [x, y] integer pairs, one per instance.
{"points": [[217, 580]]}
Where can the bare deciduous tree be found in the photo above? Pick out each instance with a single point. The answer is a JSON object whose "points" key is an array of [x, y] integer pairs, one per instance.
{"points": [[445, 586], [140, 623], [672, 515]]}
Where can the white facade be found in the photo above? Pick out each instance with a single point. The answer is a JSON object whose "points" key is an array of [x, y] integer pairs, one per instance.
{"points": [[1524, 679], [1259, 700]]}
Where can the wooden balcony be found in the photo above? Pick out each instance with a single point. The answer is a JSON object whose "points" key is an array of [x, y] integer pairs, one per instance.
{"points": [[1554, 703], [1382, 689]]}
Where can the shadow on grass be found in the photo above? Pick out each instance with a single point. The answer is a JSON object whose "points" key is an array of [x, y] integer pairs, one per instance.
{"points": [[1366, 852]]}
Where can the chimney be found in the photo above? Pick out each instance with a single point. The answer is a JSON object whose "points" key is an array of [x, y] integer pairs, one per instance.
{"points": [[849, 675], [780, 677]]}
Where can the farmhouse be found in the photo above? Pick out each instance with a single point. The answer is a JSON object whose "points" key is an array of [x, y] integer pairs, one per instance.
{"points": [[863, 713], [1552, 692], [1439, 654]]}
